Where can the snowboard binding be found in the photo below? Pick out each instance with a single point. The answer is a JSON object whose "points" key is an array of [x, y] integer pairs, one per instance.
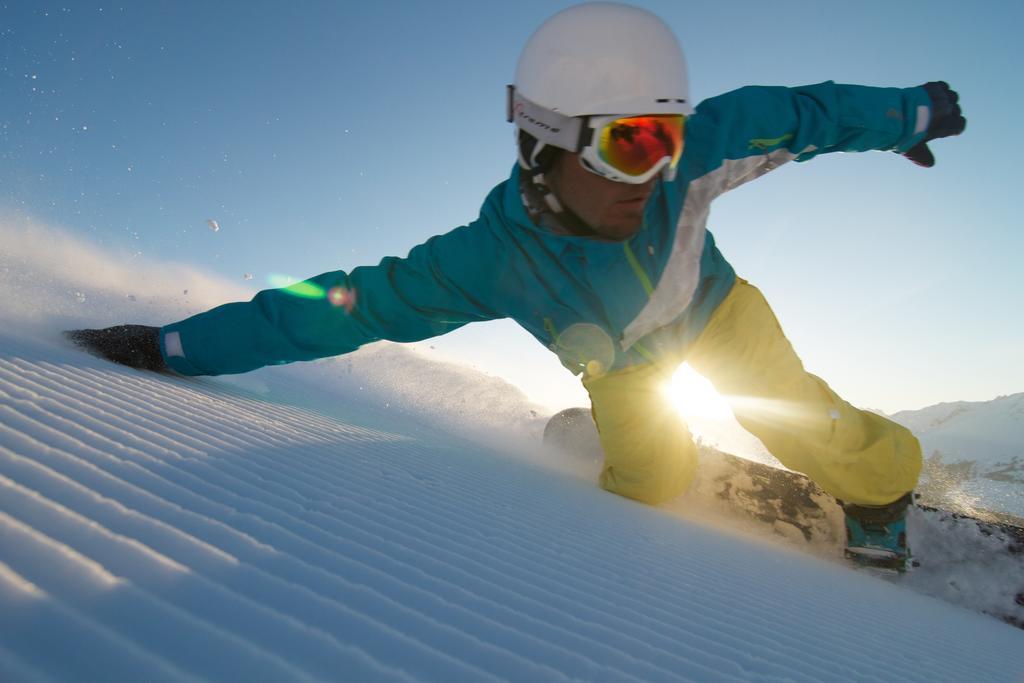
{"points": [[877, 536]]}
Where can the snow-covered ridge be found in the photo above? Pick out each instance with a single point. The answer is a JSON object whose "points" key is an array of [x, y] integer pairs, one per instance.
{"points": [[987, 432], [974, 451]]}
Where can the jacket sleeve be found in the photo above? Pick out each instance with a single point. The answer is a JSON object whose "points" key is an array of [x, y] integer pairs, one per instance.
{"points": [[440, 286], [747, 132]]}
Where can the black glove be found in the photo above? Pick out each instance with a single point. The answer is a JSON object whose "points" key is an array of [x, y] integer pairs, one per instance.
{"points": [[946, 120], [137, 346]]}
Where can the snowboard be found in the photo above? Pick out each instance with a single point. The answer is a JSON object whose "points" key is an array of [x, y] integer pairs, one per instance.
{"points": [[968, 557]]}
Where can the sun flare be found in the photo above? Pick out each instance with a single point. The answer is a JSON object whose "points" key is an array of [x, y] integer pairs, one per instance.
{"points": [[695, 397]]}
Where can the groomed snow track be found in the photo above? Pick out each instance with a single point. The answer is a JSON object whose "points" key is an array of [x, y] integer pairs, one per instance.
{"points": [[161, 528]]}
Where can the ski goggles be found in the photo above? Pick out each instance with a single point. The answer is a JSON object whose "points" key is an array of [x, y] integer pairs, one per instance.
{"points": [[626, 149], [632, 149]]}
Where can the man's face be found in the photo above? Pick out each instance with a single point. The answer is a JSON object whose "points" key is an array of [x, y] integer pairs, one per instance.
{"points": [[613, 210]]}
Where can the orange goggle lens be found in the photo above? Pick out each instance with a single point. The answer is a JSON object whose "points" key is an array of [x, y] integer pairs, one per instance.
{"points": [[634, 145]]}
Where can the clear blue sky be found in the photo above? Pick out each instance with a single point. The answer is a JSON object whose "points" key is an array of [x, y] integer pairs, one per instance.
{"points": [[325, 135]]}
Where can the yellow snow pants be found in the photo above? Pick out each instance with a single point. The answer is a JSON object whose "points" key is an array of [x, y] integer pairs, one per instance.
{"points": [[857, 456]]}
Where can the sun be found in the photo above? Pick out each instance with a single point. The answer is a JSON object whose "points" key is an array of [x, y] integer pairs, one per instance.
{"points": [[694, 396]]}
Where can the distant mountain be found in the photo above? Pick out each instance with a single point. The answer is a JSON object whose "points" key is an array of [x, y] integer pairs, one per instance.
{"points": [[972, 446], [988, 433]]}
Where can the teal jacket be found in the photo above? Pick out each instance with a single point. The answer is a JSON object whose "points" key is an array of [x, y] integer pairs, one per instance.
{"points": [[598, 305]]}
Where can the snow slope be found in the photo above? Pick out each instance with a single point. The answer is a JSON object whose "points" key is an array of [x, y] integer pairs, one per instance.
{"points": [[375, 517], [164, 528]]}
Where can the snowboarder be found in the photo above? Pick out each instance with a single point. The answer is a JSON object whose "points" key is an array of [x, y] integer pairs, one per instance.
{"points": [[597, 245]]}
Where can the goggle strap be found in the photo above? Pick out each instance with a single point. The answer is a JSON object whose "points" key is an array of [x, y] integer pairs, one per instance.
{"points": [[586, 137], [544, 124]]}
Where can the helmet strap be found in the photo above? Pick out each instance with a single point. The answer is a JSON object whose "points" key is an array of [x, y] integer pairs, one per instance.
{"points": [[544, 207], [533, 154]]}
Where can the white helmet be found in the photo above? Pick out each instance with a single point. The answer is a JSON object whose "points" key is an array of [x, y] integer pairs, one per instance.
{"points": [[604, 58], [598, 58]]}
